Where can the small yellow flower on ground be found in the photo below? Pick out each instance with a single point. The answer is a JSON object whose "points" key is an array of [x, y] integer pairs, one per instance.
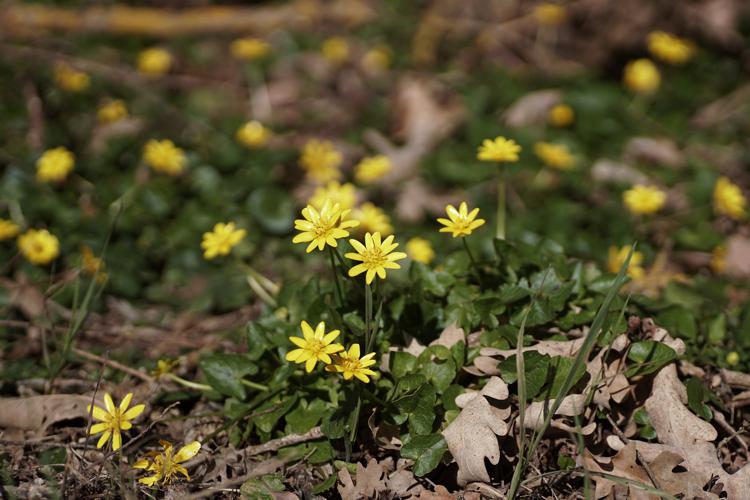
{"points": [[461, 222], [314, 346], [91, 264], [335, 49], [372, 219], [221, 240], [719, 259], [351, 365], [323, 227], [71, 79], [321, 161], [39, 246], [420, 249], [163, 156], [154, 61], [728, 199], [499, 149], [616, 258], [343, 194], [642, 200], [670, 48], [253, 134], [8, 229], [112, 111], [113, 419], [377, 59], [550, 14], [733, 358], [375, 256], [555, 155], [164, 367], [642, 76], [372, 168], [54, 165], [250, 49], [561, 115], [166, 465]]}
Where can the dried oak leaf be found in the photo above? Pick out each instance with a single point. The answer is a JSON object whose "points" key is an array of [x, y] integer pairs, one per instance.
{"points": [[572, 405], [613, 172], [738, 257], [621, 465], [39, 412], [662, 151], [608, 379], [370, 480]]}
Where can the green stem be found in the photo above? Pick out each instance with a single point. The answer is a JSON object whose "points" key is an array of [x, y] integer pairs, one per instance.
{"points": [[260, 291], [188, 383], [336, 277], [500, 228], [368, 315], [353, 425], [254, 385]]}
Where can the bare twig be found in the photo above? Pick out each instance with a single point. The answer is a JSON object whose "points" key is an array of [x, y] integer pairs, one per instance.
{"points": [[113, 364]]}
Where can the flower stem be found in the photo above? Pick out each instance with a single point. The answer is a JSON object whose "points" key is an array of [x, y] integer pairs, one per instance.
{"points": [[353, 425], [368, 314], [254, 385], [189, 384], [336, 277], [500, 228]]}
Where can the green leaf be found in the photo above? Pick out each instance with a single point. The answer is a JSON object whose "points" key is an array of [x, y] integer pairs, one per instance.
{"points": [[325, 485], [697, 398], [272, 208], [426, 451], [434, 282], [440, 373], [418, 409], [224, 372], [649, 357], [402, 363], [305, 416], [536, 368], [262, 488], [271, 412], [560, 366], [678, 321], [717, 329]]}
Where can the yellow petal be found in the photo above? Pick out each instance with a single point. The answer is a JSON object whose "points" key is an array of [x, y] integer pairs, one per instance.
{"points": [[307, 330], [108, 403], [310, 365], [103, 440], [126, 401], [150, 481], [134, 412], [187, 452], [116, 440], [98, 413], [97, 428]]}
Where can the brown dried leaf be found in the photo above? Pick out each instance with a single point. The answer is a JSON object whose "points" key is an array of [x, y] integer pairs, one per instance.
{"points": [[40, 412], [370, 480], [613, 172], [661, 151], [532, 108], [738, 257]]}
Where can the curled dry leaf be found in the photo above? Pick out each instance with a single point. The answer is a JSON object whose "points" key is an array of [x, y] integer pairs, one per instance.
{"points": [[566, 348], [738, 257], [369, 481], [661, 151], [612, 172], [571, 406], [607, 379], [532, 109], [39, 412]]}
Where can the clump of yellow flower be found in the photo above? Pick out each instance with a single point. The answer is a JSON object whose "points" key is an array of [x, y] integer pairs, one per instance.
{"points": [[351, 365], [642, 200], [154, 61], [555, 155], [616, 258], [315, 345], [420, 250], [550, 14], [321, 161], [670, 48], [54, 165], [561, 115], [642, 76], [343, 194], [164, 367], [71, 79], [8, 229], [377, 59], [112, 111], [249, 49], [733, 358], [499, 149], [728, 199], [323, 227], [166, 465], [253, 134], [460, 222], [39, 246], [375, 256], [372, 168], [92, 265], [335, 49], [113, 419], [372, 219], [163, 156], [221, 240], [719, 259]]}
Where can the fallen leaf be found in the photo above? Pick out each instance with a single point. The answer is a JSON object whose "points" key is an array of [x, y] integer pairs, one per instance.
{"points": [[369, 481], [613, 172], [532, 108], [39, 412], [737, 260], [661, 151]]}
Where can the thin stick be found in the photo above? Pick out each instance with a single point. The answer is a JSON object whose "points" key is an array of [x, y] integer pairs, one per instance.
{"points": [[113, 364]]}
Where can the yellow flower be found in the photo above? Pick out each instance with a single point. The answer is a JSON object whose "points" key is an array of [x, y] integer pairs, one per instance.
{"points": [[70, 79], [644, 199], [499, 149], [249, 49], [561, 115], [377, 59], [92, 265], [154, 61], [550, 14], [555, 155], [253, 134], [221, 240], [112, 111], [335, 49], [343, 194], [420, 249], [314, 346], [8, 229], [321, 161], [616, 258], [372, 219], [166, 465], [324, 227], [728, 199], [351, 365], [733, 358], [670, 48], [462, 222], [39, 246], [719, 259], [163, 156], [113, 419], [372, 168], [54, 165], [642, 76], [376, 256], [164, 367]]}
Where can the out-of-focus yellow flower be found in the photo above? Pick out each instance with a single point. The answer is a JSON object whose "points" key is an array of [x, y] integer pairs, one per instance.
{"points": [[321, 161], [323, 227], [253, 135], [8, 229], [550, 14], [335, 49], [54, 165], [728, 199], [733, 358], [719, 259], [154, 61], [113, 419], [555, 155], [670, 48], [372, 219], [92, 265], [642, 76], [372, 168], [314, 345], [166, 465], [250, 49], [164, 367], [461, 222], [343, 194], [163, 156], [377, 59], [561, 115], [39, 246], [221, 240], [420, 249], [499, 149], [616, 258], [112, 111], [351, 365], [375, 256], [642, 200], [70, 79]]}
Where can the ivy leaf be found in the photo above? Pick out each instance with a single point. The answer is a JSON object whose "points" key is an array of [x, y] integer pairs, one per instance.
{"points": [[426, 451], [225, 371], [418, 409], [697, 397], [273, 209], [536, 366], [649, 356]]}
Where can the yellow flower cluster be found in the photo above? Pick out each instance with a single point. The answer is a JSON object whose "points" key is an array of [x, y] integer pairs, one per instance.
{"points": [[643, 200], [372, 219], [54, 165], [728, 199], [642, 76], [555, 155], [113, 419], [112, 111], [92, 265], [420, 250], [321, 161], [165, 466], [670, 48], [163, 156], [39, 246], [323, 227], [377, 59], [253, 135], [375, 256], [221, 240], [249, 49], [372, 169], [499, 150], [460, 222], [343, 194], [154, 62], [616, 258], [8, 229], [550, 14], [70, 79], [335, 49], [561, 115]]}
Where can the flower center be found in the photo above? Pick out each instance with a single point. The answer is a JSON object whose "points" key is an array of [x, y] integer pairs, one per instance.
{"points": [[315, 346], [374, 258]]}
